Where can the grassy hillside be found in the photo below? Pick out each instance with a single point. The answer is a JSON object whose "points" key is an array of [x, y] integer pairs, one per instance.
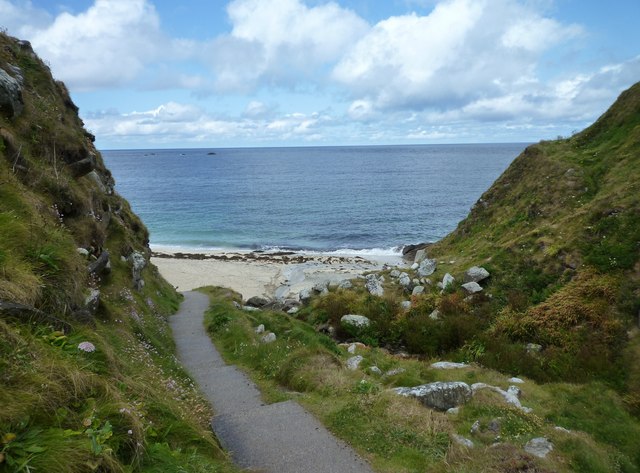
{"points": [[88, 380]]}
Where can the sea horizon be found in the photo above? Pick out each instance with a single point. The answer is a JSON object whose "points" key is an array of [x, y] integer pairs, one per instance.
{"points": [[359, 200]]}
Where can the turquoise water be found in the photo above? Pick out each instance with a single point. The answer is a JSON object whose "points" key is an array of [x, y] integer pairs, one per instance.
{"points": [[372, 198]]}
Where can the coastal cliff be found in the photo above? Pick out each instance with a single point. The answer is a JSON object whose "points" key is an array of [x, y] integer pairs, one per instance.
{"points": [[88, 380]]}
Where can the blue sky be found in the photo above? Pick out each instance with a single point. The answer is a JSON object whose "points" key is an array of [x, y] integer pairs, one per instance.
{"points": [[202, 73]]}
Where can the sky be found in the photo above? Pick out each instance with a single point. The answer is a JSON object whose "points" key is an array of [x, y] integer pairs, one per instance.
{"points": [[216, 73]]}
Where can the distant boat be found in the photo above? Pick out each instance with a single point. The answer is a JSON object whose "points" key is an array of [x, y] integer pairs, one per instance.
{"points": [[211, 153]]}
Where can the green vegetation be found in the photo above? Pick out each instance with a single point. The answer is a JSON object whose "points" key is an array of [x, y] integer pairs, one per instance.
{"points": [[82, 390], [397, 434]]}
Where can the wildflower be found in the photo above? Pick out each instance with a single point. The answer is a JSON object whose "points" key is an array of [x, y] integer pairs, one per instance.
{"points": [[87, 347]]}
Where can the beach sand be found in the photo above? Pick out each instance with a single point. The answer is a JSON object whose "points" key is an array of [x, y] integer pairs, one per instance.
{"points": [[275, 275]]}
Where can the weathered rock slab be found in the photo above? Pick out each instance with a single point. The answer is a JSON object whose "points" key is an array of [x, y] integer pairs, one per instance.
{"points": [[439, 395]]}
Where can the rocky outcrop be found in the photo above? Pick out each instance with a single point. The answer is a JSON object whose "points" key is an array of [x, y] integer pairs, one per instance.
{"points": [[257, 301], [439, 395], [539, 447], [11, 102], [138, 263], [101, 265]]}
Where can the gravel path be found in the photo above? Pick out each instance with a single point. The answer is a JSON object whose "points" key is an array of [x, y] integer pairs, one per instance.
{"points": [[274, 438]]}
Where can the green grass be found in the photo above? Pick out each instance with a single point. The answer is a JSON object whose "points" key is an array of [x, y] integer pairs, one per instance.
{"points": [[399, 435]]}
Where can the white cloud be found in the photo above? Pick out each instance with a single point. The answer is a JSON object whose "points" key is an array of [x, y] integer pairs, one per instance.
{"points": [[108, 44], [279, 41], [461, 51]]}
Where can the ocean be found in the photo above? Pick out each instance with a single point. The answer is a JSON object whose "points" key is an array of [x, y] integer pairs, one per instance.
{"points": [[355, 199]]}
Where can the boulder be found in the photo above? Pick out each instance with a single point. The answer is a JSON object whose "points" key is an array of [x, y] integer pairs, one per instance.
{"points": [[373, 285], [476, 274], [533, 348], [460, 440], [395, 273], [138, 263], [305, 295], [439, 395], [394, 372], [92, 301], [83, 252], [345, 284], [447, 280], [257, 301], [539, 447], [82, 167], [260, 329], [472, 287], [268, 338], [421, 255], [448, 365], [11, 103], [516, 380], [354, 362], [404, 280], [375, 370], [417, 290], [427, 267], [415, 266], [406, 305], [435, 315], [321, 287], [359, 321]]}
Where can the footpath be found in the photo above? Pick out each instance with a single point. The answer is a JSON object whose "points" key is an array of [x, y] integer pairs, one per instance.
{"points": [[271, 438]]}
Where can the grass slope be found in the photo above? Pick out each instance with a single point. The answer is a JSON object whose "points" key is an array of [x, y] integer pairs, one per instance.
{"points": [[127, 406]]}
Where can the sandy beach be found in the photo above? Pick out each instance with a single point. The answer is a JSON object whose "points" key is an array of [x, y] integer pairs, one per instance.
{"points": [[277, 275]]}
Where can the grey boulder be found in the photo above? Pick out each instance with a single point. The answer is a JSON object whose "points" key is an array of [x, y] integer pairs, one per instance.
{"points": [[11, 103], [355, 320], [427, 267], [476, 274], [439, 395], [373, 285], [472, 287], [539, 447]]}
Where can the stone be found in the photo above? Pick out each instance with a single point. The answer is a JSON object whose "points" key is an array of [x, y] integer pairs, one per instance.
{"points": [[395, 273], [394, 372], [237, 305], [359, 321], [439, 395], [260, 328], [448, 365], [476, 274], [249, 308], [101, 264], [427, 267], [373, 285], [533, 348], [11, 102], [290, 304], [516, 380], [354, 362], [138, 262], [375, 370], [460, 440], [417, 290], [345, 284], [83, 252], [511, 395], [268, 338], [415, 266], [321, 287], [352, 348], [404, 280], [293, 311], [83, 166], [454, 411], [406, 305], [472, 287], [305, 295], [435, 315], [495, 425], [257, 301], [538, 447], [475, 428], [421, 255], [447, 280], [92, 301], [562, 429]]}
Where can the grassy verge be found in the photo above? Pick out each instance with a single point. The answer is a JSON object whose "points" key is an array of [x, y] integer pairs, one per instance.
{"points": [[399, 435]]}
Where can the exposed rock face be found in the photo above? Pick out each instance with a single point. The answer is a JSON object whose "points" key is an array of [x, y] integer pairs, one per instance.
{"points": [[257, 301], [427, 267], [92, 301], [439, 395], [539, 447], [476, 274], [358, 321], [373, 285], [100, 265], [354, 362], [11, 103], [138, 262]]}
